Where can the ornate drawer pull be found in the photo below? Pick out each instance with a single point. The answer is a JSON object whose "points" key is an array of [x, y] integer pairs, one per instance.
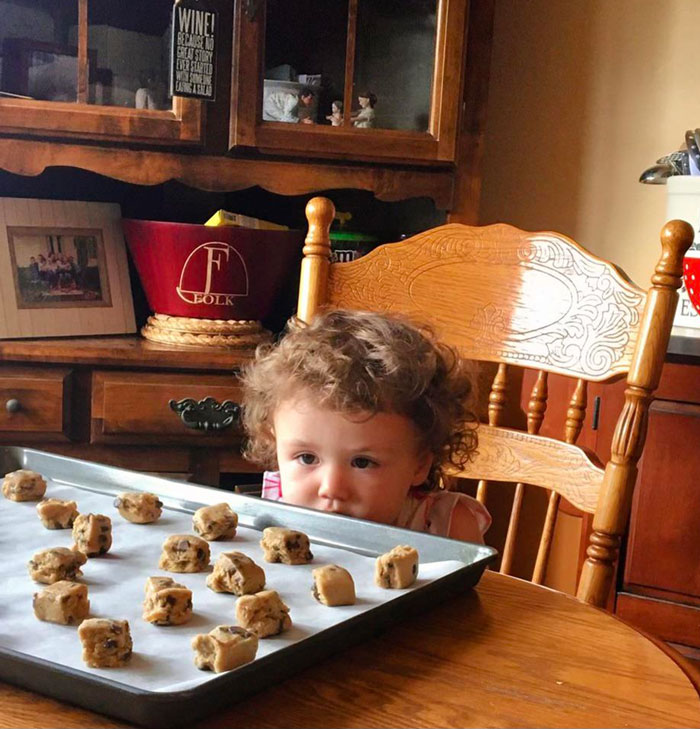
{"points": [[206, 414], [13, 405]]}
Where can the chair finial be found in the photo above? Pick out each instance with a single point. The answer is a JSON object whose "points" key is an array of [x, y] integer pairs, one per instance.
{"points": [[320, 212], [676, 238]]}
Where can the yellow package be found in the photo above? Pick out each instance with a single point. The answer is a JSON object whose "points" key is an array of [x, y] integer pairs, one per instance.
{"points": [[223, 217]]}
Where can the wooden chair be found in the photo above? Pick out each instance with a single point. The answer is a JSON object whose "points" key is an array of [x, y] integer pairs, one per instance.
{"points": [[507, 296]]}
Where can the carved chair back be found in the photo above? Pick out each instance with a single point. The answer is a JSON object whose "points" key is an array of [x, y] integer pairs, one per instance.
{"points": [[538, 300]]}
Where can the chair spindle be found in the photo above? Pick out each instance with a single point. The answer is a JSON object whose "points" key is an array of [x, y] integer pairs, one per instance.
{"points": [[575, 416], [536, 408], [497, 399]]}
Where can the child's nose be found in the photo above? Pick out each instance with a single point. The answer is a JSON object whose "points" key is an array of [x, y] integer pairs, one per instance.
{"points": [[333, 483]]}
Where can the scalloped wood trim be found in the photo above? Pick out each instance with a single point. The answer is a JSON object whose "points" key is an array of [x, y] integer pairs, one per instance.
{"points": [[221, 174]]}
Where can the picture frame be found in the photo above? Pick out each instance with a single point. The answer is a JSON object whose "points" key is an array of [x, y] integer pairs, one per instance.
{"points": [[63, 269]]}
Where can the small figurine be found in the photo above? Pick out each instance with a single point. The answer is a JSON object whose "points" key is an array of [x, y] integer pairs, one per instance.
{"points": [[286, 106], [364, 118], [336, 115]]}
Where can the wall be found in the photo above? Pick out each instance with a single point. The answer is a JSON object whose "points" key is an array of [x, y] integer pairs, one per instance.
{"points": [[583, 97]]}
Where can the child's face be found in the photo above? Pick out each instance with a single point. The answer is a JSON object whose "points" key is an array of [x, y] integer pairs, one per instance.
{"points": [[364, 101], [347, 464]]}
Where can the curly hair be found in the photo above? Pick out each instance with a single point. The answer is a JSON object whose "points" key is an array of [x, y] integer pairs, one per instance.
{"points": [[354, 361]]}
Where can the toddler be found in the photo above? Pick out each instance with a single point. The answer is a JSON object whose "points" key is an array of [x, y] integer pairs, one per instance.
{"points": [[359, 413]]}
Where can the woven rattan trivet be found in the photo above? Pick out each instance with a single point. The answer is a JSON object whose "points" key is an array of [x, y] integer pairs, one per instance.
{"points": [[190, 332]]}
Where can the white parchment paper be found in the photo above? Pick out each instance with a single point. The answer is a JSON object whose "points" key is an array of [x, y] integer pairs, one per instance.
{"points": [[162, 658]]}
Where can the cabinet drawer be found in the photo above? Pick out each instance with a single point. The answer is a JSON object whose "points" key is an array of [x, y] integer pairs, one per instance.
{"points": [[134, 408], [671, 621], [34, 402]]}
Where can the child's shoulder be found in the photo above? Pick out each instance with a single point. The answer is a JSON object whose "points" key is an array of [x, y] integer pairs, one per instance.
{"points": [[445, 513]]}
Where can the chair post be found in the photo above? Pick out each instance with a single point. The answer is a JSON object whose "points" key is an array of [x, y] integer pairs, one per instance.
{"points": [[317, 255], [615, 497]]}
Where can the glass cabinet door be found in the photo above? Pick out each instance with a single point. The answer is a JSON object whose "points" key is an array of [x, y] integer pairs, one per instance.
{"points": [[394, 64], [91, 68], [361, 79]]}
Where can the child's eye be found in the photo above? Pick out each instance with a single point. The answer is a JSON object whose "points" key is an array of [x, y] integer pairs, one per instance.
{"points": [[308, 459], [362, 462]]}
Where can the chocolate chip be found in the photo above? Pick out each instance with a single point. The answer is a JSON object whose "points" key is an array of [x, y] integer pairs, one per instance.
{"points": [[200, 554], [110, 643], [115, 628], [159, 503], [182, 545], [169, 600], [237, 631], [189, 604]]}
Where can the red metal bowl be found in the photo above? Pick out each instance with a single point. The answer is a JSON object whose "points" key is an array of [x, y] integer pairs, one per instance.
{"points": [[691, 277], [212, 272]]}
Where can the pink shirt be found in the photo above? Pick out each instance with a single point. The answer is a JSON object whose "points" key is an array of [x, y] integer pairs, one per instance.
{"points": [[422, 511]]}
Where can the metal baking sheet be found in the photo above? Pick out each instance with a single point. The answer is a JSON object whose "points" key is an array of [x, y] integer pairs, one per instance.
{"points": [[161, 687]]}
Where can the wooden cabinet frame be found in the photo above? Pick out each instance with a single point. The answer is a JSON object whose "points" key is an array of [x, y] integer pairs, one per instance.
{"points": [[437, 145], [184, 123]]}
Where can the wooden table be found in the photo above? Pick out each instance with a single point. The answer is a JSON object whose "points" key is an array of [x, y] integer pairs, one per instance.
{"points": [[508, 654]]}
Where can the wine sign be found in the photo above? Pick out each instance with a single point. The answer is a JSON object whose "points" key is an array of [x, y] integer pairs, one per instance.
{"points": [[193, 56]]}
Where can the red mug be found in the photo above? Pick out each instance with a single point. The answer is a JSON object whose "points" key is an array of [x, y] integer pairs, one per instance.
{"points": [[212, 272], [691, 277]]}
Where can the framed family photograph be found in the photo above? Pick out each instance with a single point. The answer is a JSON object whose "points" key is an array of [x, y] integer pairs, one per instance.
{"points": [[63, 269]]}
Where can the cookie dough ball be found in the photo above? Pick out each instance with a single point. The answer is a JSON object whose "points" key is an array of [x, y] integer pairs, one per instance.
{"points": [[139, 507], [184, 553], [106, 643], [92, 534], [54, 564], [263, 613], [224, 648], [23, 485], [167, 602], [333, 586], [215, 522], [286, 546], [236, 573], [57, 514], [397, 568], [63, 602]]}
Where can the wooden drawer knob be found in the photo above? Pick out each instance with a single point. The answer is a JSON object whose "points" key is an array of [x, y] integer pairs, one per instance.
{"points": [[13, 405]]}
